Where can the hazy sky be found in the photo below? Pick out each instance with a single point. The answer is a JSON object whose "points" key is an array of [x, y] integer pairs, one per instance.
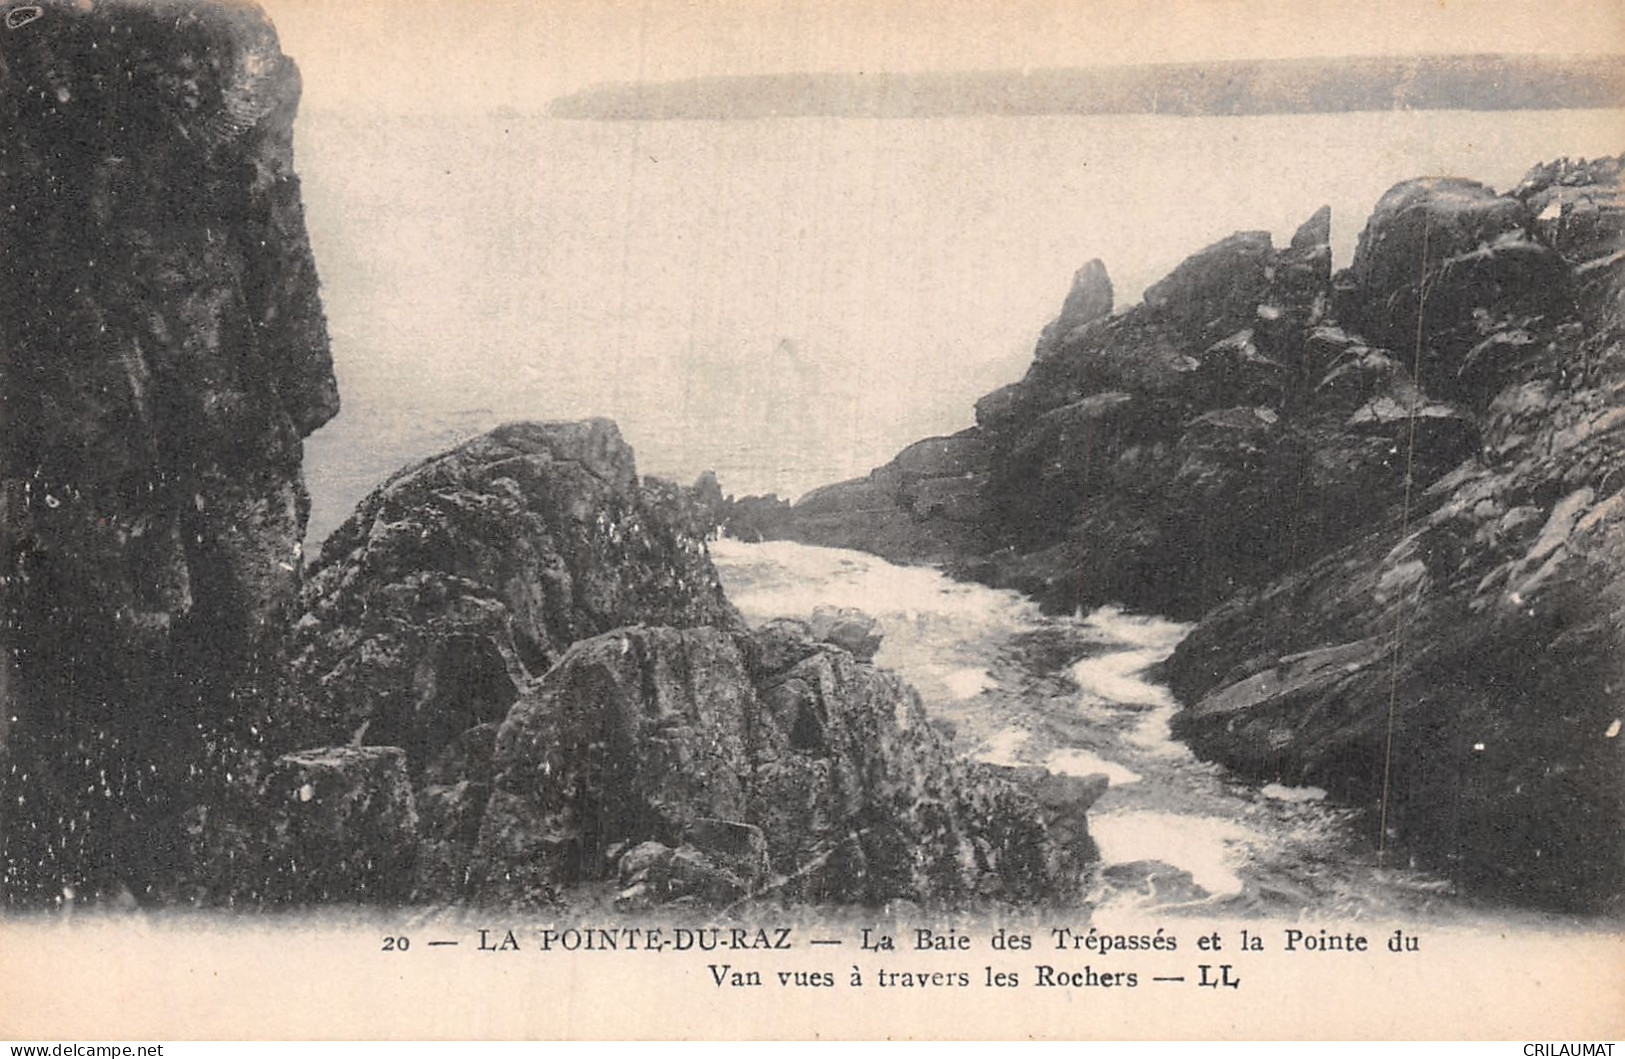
{"points": [[462, 54]]}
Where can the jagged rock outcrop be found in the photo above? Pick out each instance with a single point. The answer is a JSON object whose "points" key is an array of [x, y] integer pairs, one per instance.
{"points": [[164, 353], [1144, 456], [460, 710], [926, 504], [634, 736], [1442, 266], [1578, 211], [847, 628], [702, 765], [698, 510]]}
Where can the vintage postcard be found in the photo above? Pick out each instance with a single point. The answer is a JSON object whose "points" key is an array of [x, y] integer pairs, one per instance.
{"points": [[807, 519]]}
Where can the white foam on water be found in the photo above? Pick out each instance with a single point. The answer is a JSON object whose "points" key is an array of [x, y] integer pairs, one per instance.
{"points": [[967, 683], [1205, 846], [1000, 748], [1282, 793], [1076, 762]]}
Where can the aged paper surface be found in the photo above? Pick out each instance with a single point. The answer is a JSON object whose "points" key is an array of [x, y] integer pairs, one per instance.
{"points": [[438, 298]]}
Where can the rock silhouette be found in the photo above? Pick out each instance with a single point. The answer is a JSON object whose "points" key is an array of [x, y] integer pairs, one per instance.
{"points": [[1390, 497], [574, 701]]}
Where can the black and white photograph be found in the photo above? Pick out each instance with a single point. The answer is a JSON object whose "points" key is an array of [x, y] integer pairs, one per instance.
{"points": [[812, 518]]}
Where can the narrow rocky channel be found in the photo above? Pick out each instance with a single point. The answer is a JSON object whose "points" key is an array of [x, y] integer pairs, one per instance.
{"points": [[1073, 695]]}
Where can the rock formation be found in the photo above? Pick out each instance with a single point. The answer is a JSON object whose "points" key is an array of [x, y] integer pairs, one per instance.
{"points": [[1456, 667], [513, 670], [1392, 496], [575, 701], [464, 577], [1091, 479], [461, 581], [164, 354], [1395, 497]]}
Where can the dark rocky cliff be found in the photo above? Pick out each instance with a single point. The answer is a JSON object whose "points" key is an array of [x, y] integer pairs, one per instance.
{"points": [[1391, 496], [512, 672], [1322, 84], [163, 354]]}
